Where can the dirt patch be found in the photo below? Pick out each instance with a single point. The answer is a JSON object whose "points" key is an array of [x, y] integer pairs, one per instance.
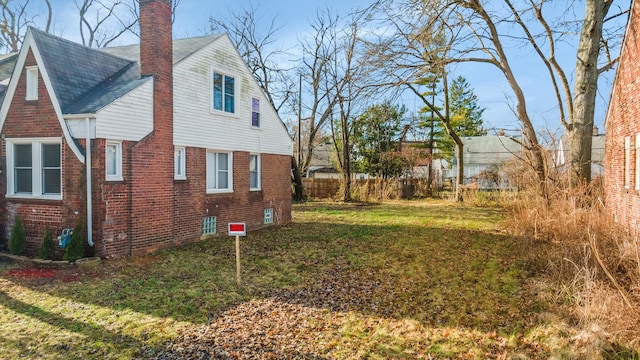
{"points": [[43, 274]]}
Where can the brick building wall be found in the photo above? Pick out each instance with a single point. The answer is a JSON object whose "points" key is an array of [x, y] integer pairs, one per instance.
{"points": [[623, 202], [192, 203], [37, 119], [148, 209]]}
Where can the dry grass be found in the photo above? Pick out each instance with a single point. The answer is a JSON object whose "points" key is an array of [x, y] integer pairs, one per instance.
{"points": [[592, 266]]}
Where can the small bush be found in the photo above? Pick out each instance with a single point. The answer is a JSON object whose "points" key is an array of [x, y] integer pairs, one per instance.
{"points": [[75, 250], [48, 247], [18, 240]]}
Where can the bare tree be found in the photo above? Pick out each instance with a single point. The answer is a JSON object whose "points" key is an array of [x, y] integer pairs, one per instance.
{"points": [[103, 21], [257, 43], [415, 47], [15, 21], [321, 93], [345, 70], [577, 107]]}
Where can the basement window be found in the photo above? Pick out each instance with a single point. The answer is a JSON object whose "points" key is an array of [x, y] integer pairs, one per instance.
{"points": [[268, 216], [209, 225]]}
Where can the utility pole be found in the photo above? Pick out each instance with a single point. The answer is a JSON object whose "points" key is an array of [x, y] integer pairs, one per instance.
{"points": [[299, 119]]}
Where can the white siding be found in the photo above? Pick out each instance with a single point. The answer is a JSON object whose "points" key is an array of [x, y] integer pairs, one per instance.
{"points": [[195, 124], [129, 117]]}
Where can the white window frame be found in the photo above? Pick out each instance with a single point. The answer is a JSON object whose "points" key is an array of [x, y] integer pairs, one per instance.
{"points": [[212, 72], [36, 168], [213, 171], [637, 177], [118, 170], [31, 83], [627, 161], [259, 112], [257, 170], [180, 163]]}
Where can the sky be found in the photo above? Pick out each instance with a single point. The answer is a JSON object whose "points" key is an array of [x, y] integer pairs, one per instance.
{"points": [[294, 16]]}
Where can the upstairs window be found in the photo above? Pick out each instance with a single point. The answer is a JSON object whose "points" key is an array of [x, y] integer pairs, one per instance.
{"points": [[255, 112], [34, 168], [32, 83], [113, 159], [223, 92]]}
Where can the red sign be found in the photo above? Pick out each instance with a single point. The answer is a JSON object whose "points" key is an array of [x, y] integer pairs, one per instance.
{"points": [[237, 229]]}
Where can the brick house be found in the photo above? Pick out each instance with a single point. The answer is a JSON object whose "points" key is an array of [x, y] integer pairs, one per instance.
{"points": [[149, 146], [622, 146]]}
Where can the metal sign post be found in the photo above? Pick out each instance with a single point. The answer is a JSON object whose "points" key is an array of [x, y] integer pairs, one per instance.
{"points": [[237, 230]]}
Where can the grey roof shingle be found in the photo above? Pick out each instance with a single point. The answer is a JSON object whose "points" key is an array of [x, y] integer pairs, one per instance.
{"points": [[76, 70], [86, 79], [182, 48]]}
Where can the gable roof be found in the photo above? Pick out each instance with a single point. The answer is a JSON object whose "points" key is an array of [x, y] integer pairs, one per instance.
{"points": [[182, 48], [490, 149], [92, 78]]}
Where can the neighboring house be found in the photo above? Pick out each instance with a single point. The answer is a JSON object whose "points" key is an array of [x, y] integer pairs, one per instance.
{"points": [[419, 159], [149, 146], [622, 159], [483, 158], [563, 156], [321, 164]]}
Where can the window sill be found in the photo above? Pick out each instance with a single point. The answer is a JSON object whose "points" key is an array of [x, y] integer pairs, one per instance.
{"points": [[256, 189], [114, 179], [214, 192], [180, 178], [32, 197], [231, 115]]}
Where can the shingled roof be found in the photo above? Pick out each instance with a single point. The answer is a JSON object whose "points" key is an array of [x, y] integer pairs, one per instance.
{"points": [[86, 79], [182, 48]]}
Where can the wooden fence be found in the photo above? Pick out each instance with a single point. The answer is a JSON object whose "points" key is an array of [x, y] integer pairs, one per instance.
{"points": [[365, 188]]}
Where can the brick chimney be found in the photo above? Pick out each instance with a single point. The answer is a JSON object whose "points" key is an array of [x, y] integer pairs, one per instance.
{"points": [[156, 59], [151, 186]]}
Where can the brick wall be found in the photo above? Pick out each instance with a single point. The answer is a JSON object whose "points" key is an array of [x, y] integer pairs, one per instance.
{"points": [[33, 119], [192, 203], [623, 121]]}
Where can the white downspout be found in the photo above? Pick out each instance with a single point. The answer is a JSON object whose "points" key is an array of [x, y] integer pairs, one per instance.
{"points": [[87, 162]]}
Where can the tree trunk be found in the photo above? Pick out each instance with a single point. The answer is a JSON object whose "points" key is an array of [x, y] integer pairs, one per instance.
{"points": [[585, 88], [297, 180], [346, 161], [460, 169]]}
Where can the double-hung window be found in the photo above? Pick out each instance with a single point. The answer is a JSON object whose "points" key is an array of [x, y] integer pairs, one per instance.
{"points": [[255, 112], [34, 168], [223, 92], [219, 172], [113, 160], [179, 163], [627, 161], [254, 172], [637, 177]]}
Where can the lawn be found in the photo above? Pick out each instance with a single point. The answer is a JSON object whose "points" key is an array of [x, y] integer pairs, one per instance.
{"points": [[418, 279]]}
